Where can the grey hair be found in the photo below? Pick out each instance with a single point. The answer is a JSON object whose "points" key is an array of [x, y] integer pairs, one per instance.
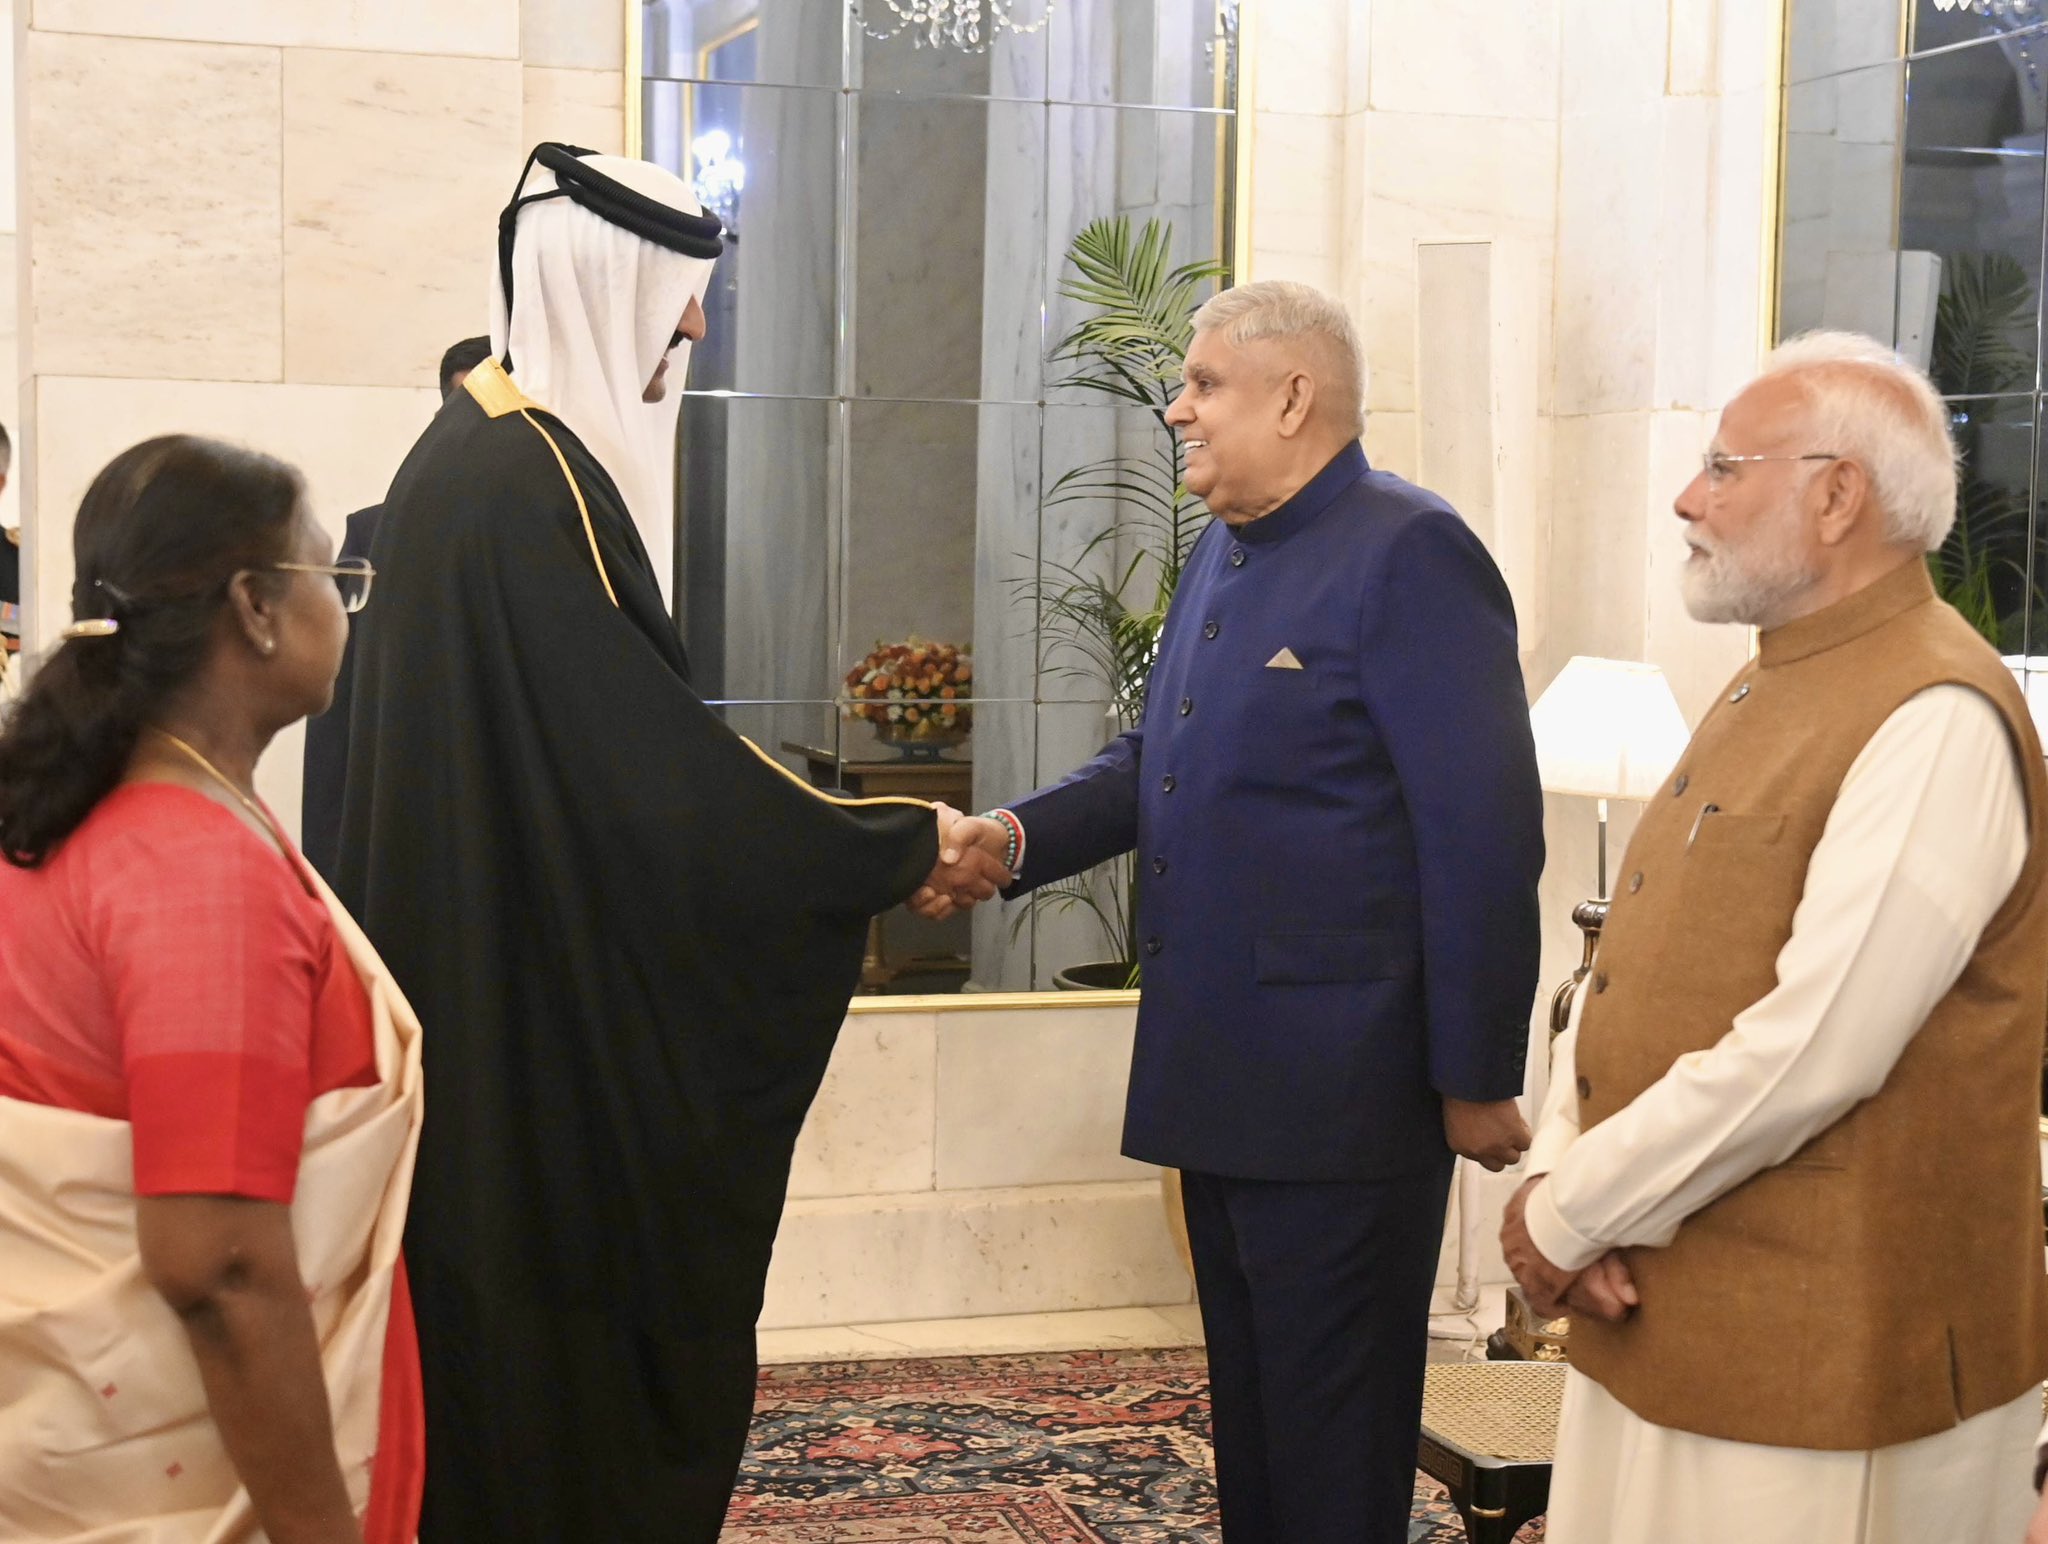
{"points": [[1279, 308], [1870, 406]]}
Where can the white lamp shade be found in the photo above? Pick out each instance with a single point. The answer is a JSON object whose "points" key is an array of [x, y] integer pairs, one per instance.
{"points": [[2031, 671], [1608, 729]]}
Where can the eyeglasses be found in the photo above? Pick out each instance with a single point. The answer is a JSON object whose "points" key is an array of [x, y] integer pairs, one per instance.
{"points": [[351, 576], [1720, 466]]}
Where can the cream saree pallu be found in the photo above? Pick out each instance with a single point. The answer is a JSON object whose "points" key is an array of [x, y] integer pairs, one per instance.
{"points": [[105, 1436]]}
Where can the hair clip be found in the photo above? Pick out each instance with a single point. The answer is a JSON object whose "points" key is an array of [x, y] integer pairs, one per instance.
{"points": [[92, 627]]}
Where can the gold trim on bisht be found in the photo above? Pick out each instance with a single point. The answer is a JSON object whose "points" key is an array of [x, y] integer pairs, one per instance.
{"points": [[496, 394]]}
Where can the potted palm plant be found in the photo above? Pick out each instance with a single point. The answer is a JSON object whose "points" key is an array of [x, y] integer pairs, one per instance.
{"points": [[1100, 612], [1984, 348]]}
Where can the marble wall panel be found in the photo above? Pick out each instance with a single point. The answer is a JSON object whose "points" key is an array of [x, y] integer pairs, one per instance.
{"points": [[1491, 60], [1431, 176], [573, 34], [1392, 444], [1597, 571], [1748, 45], [1612, 55], [1358, 60], [489, 28], [346, 440], [1047, 1249], [870, 1130], [10, 382], [395, 168], [1034, 1097], [1744, 154], [9, 161], [1692, 65], [1687, 319], [1304, 55], [579, 107], [1297, 159], [1608, 259], [153, 173]]}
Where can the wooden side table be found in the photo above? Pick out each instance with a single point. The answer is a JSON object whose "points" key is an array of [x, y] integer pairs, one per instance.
{"points": [[936, 779]]}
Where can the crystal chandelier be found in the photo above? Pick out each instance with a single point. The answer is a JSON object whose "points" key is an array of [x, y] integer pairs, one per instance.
{"points": [[2016, 13], [958, 24]]}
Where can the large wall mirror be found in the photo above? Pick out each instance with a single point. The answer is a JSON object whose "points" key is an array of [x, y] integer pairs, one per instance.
{"points": [[882, 577], [1914, 195]]}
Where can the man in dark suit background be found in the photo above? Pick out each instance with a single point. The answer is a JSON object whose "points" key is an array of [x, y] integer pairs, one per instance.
{"points": [[1334, 803], [327, 735]]}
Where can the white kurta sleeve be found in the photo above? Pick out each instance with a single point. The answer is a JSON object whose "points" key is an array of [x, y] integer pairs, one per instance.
{"points": [[1921, 848]]}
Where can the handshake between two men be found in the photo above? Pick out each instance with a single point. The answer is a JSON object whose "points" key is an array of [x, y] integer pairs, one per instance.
{"points": [[974, 866]]}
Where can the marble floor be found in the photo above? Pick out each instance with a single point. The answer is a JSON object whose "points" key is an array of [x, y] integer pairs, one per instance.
{"points": [[1100, 1329]]}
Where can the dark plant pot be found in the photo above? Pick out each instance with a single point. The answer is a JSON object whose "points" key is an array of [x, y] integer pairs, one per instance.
{"points": [[1096, 976]]}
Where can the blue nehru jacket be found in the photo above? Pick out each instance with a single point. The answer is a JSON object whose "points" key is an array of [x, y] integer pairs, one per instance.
{"points": [[1334, 802]]}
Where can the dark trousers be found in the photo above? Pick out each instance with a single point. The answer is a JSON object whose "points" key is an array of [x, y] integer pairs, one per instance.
{"points": [[1315, 1302]]}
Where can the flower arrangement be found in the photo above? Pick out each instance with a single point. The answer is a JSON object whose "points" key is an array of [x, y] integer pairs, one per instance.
{"points": [[914, 691]]}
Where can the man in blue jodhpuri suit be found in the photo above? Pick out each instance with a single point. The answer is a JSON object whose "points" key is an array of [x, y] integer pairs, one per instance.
{"points": [[1334, 802]]}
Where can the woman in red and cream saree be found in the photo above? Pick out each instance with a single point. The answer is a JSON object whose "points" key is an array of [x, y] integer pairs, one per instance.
{"points": [[209, 1086]]}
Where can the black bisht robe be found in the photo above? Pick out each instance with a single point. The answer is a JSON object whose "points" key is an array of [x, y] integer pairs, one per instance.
{"points": [[631, 940]]}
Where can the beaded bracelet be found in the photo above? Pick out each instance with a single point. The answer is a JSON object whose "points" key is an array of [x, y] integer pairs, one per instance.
{"points": [[1015, 828]]}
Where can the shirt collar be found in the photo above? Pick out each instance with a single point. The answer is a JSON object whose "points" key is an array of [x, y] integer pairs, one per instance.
{"points": [[1310, 500]]}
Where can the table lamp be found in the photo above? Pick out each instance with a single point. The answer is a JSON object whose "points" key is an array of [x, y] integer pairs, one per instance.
{"points": [[1605, 729]]}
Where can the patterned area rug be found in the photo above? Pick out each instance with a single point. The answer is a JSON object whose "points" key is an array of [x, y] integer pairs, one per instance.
{"points": [[1086, 1447]]}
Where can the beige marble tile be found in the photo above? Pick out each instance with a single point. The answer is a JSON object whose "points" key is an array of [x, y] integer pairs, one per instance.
{"points": [[346, 440], [573, 34], [395, 169], [1296, 159], [1743, 157], [1358, 57], [1608, 260], [1314, 269], [1391, 443], [489, 28], [153, 192], [870, 1129], [822, 1343], [1687, 321], [1491, 60], [1107, 1329], [1595, 599], [1430, 176], [1747, 46], [1101, 1329], [1692, 51], [1610, 55], [1033, 1098], [579, 107], [10, 382], [964, 1254], [1303, 56], [9, 161]]}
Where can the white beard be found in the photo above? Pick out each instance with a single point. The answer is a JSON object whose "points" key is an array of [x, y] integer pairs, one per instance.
{"points": [[1757, 582]]}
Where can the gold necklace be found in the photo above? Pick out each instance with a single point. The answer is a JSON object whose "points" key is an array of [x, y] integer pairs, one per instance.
{"points": [[248, 801]]}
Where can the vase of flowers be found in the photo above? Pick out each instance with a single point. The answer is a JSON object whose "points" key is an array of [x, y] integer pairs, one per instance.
{"points": [[916, 694]]}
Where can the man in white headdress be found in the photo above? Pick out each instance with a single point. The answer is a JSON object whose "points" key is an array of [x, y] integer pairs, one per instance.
{"points": [[631, 936]]}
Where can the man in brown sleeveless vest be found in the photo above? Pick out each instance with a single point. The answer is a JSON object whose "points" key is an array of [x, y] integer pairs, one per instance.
{"points": [[1787, 1178]]}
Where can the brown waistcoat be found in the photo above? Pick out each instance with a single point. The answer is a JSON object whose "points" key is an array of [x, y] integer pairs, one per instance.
{"points": [[1886, 1281]]}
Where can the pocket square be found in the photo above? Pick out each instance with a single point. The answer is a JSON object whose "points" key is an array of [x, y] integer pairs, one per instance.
{"points": [[1284, 660]]}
